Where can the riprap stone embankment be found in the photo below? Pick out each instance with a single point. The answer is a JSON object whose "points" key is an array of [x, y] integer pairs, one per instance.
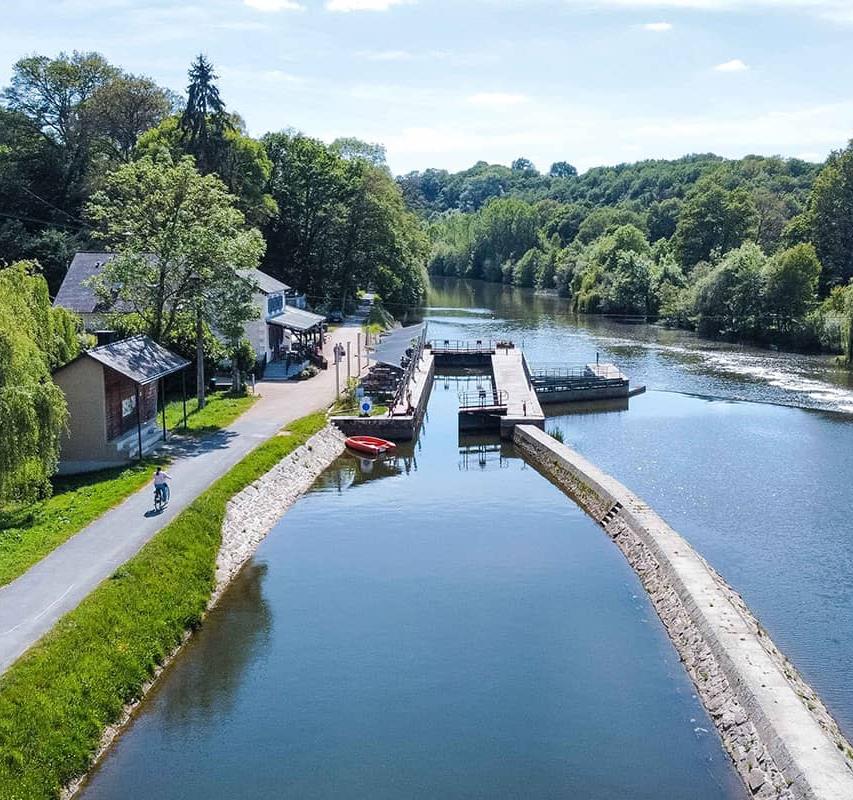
{"points": [[783, 741]]}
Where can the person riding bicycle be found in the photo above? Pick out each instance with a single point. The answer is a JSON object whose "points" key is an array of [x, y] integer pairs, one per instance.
{"points": [[161, 485]]}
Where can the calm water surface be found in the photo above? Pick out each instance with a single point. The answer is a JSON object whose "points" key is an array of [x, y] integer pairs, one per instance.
{"points": [[451, 626], [747, 453], [446, 626]]}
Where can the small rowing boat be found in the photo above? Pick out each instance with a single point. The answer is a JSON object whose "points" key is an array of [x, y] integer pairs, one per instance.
{"points": [[371, 445]]}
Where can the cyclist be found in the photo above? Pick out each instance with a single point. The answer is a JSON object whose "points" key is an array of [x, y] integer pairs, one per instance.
{"points": [[161, 485]]}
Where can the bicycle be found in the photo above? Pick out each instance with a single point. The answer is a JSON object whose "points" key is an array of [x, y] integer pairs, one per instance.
{"points": [[161, 497]]}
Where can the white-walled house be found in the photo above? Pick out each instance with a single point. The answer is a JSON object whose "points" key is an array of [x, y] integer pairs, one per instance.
{"points": [[282, 324]]}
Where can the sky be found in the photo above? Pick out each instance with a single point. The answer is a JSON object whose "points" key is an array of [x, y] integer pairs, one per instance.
{"points": [[445, 83]]}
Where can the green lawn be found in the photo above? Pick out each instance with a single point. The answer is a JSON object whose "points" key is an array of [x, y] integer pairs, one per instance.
{"points": [[28, 534], [221, 409], [57, 699]]}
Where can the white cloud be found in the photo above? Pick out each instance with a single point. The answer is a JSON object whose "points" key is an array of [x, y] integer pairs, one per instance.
{"points": [[274, 5], [345, 6], [658, 27], [735, 65], [498, 100]]}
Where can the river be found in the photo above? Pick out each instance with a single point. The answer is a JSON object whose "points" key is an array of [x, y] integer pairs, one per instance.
{"points": [[450, 625]]}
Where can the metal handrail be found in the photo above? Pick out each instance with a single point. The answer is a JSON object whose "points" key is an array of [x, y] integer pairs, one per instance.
{"points": [[603, 371], [484, 399], [467, 345]]}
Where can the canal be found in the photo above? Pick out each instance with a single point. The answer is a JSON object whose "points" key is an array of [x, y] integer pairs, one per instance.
{"points": [[450, 625]]}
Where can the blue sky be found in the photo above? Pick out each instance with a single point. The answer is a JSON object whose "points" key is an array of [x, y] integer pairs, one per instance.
{"points": [[445, 83]]}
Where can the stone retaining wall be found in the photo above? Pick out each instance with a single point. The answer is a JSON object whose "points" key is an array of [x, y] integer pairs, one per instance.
{"points": [[781, 738], [251, 514]]}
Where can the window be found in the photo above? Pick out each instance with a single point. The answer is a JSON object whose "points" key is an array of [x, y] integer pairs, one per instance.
{"points": [[128, 405]]}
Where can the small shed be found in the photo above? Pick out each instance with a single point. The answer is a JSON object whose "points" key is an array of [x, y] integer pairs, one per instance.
{"points": [[112, 394]]}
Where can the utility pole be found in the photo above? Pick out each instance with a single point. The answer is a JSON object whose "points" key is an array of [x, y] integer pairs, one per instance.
{"points": [[349, 367], [337, 371]]}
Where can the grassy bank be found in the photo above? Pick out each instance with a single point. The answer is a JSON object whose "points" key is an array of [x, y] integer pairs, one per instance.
{"points": [[220, 410], [57, 700], [28, 534]]}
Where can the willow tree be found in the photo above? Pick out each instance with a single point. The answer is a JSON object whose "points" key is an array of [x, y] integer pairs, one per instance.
{"points": [[34, 339]]}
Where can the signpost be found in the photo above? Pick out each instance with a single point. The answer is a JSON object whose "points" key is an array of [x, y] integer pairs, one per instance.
{"points": [[358, 353]]}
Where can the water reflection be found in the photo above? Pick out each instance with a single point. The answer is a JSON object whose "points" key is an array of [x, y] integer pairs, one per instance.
{"points": [[434, 631]]}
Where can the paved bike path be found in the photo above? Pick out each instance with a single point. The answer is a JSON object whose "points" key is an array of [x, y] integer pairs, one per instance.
{"points": [[34, 602]]}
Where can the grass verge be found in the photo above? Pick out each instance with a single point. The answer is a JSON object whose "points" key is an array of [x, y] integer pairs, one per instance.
{"points": [[221, 409], [57, 700], [28, 534]]}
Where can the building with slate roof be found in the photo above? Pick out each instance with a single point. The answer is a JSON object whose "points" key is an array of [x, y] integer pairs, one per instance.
{"points": [[278, 329], [112, 395]]}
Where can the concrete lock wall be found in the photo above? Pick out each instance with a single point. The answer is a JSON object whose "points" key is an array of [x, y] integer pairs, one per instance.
{"points": [[782, 740], [396, 428]]}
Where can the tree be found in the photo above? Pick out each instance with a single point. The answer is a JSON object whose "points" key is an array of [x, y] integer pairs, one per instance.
{"points": [[122, 109], [52, 92], [523, 165], [311, 186], [181, 244], [729, 300], [34, 340], [241, 162], [341, 225], [663, 218], [562, 169], [204, 121], [830, 216], [348, 147], [713, 222], [791, 281]]}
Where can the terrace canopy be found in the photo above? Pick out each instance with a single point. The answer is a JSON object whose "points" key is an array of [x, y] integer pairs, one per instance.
{"points": [[392, 347]]}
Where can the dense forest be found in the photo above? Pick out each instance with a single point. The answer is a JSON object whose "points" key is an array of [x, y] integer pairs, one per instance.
{"points": [[332, 217], [757, 249]]}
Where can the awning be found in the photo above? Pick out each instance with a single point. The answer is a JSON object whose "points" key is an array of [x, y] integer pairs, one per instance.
{"points": [[392, 347], [139, 358], [297, 319]]}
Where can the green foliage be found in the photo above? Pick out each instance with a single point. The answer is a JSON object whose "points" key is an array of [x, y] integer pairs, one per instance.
{"points": [[55, 704], [341, 225], [790, 283], [240, 161], [34, 340], [830, 217], [30, 531], [713, 221], [728, 299]]}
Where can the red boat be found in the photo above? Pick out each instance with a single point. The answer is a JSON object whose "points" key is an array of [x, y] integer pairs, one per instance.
{"points": [[371, 445]]}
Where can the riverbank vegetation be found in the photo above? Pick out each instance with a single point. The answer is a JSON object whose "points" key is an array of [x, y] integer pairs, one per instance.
{"points": [[29, 531], [751, 249], [35, 339], [54, 704], [332, 217]]}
